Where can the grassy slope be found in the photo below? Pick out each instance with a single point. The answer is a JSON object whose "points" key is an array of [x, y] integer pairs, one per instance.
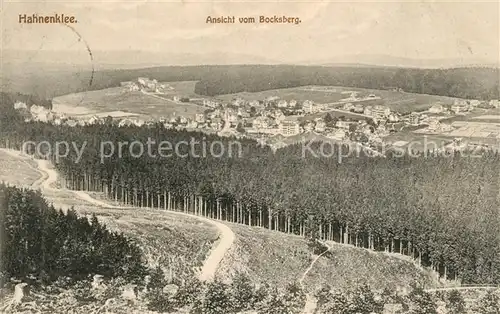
{"points": [[279, 258], [17, 172], [116, 98]]}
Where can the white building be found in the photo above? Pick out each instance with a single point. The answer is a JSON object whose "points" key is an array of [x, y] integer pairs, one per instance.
{"points": [[436, 108], [495, 103], [289, 127], [368, 110], [238, 102], [380, 112], [262, 123], [308, 127], [393, 117], [320, 126], [475, 102], [308, 106], [93, 120], [343, 124], [200, 118], [338, 134], [20, 105], [254, 103], [359, 108], [133, 88], [460, 106], [279, 115], [210, 103], [192, 125], [282, 103], [348, 106], [272, 98]]}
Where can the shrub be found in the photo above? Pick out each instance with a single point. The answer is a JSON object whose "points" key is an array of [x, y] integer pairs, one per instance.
{"points": [[337, 304], [364, 302], [421, 302], [160, 302], [273, 304], [294, 298], [488, 303], [242, 293], [261, 294], [157, 279], [190, 292], [83, 292], [323, 296], [316, 246], [455, 303], [216, 300]]}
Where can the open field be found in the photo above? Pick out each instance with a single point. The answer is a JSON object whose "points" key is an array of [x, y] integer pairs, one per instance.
{"points": [[182, 88], [346, 265], [397, 101], [117, 99], [409, 141], [17, 172], [278, 259]]}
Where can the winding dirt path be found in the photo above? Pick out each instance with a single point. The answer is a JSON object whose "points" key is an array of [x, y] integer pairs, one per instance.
{"points": [[310, 300], [213, 260]]}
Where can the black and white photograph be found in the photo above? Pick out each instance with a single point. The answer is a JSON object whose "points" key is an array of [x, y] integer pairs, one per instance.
{"points": [[249, 157]]}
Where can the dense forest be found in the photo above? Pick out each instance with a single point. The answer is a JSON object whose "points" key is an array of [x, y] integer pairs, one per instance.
{"points": [[42, 243], [443, 211], [475, 83]]}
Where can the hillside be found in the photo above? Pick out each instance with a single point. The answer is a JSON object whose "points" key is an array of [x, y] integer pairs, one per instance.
{"points": [[278, 259], [128, 103]]}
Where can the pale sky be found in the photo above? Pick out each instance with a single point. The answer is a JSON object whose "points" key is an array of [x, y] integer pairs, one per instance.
{"points": [[427, 30]]}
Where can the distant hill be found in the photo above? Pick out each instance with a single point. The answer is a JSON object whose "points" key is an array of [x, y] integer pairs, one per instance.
{"points": [[358, 60]]}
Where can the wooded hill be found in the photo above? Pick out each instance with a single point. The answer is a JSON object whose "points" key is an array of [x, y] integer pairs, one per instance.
{"points": [[442, 211], [475, 83]]}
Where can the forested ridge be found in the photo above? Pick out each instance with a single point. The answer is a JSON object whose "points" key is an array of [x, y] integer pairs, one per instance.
{"points": [[475, 83], [441, 211]]}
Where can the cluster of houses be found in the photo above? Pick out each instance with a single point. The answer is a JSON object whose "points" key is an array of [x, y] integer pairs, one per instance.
{"points": [[460, 106], [269, 103], [42, 114], [377, 112], [274, 116], [146, 85]]}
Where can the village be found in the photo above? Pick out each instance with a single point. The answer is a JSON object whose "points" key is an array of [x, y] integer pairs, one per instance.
{"points": [[362, 119]]}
